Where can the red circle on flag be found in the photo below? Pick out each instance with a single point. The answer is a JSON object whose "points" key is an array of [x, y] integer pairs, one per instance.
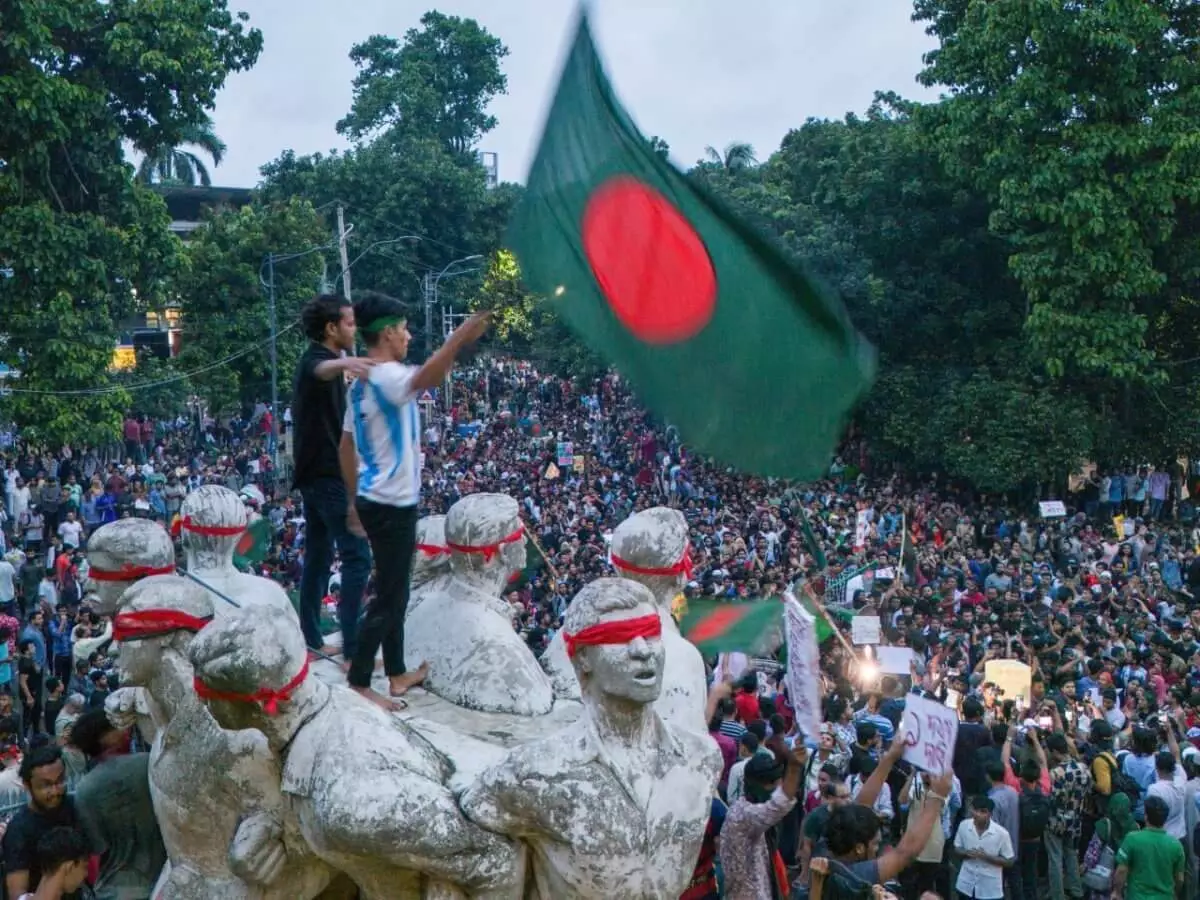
{"points": [[650, 263]]}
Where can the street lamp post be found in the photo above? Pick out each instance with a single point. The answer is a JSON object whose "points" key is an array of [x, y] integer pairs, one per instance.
{"points": [[431, 300]]}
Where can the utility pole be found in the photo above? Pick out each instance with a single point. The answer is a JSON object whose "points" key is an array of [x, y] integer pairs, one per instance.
{"points": [[343, 250], [274, 364], [427, 296]]}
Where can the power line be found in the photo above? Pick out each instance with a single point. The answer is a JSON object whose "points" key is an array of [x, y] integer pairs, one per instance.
{"points": [[132, 388]]}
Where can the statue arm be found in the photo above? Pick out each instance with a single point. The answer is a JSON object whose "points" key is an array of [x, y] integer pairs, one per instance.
{"points": [[495, 802]]}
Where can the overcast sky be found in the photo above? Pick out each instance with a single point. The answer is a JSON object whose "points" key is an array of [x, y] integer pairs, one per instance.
{"points": [[695, 72]]}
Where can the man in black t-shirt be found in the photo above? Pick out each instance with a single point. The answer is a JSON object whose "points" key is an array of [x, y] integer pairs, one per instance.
{"points": [[318, 408], [45, 778]]}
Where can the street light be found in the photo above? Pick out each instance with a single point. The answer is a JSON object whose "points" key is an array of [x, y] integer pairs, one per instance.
{"points": [[431, 297]]}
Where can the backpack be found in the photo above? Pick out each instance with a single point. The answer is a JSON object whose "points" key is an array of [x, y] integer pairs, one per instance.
{"points": [[1034, 811], [1120, 780]]}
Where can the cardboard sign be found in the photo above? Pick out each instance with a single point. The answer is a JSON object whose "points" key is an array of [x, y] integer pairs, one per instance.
{"points": [[930, 730], [1012, 677], [894, 660], [578, 463], [551, 472], [1052, 509], [865, 629]]}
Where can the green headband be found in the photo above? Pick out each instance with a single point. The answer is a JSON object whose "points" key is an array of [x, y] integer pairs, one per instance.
{"points": [[386, 322]]}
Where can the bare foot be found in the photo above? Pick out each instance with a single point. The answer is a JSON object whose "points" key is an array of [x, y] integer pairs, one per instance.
{"points": [[384, 703], [399, 685]]}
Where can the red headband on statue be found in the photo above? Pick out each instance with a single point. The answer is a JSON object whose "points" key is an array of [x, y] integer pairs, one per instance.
{"points": [[186, 524], [432, 550], [489, 551], [268, 699], [621, 631], [683, 567], [153, 623], [128, 572]]}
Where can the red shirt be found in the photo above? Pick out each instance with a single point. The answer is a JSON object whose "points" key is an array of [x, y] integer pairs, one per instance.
{"points": [[747, 708]]}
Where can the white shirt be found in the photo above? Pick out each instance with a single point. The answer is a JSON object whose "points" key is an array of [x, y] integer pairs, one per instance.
{"points": [[7, 577], [382, 417], [1173, 794], [977, 878], [71, 533]]}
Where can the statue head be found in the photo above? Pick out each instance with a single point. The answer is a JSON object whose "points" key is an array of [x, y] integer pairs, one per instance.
{"points": [[431, 557], [124, 552], [651, 548], [250, 667], [613, 636], [485, 535], [160, 613], [212, 520]]}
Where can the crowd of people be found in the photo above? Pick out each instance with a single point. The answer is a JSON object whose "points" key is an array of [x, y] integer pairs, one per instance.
{"points": [[1086, 787]]}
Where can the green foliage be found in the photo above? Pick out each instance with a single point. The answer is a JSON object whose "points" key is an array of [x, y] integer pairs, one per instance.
{"points": [[1078, 121], [436, 84], [88, 247], [225, 308], [156, 388]]}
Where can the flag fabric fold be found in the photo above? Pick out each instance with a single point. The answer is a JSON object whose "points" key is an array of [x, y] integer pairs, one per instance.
{"points": [[717, 627], [717, 332]]}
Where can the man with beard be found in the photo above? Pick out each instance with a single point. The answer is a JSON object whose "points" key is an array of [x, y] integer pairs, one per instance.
{"points": [[45, 779], [319, 407]]}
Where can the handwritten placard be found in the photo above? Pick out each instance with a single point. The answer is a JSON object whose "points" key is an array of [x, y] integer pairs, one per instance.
{"points": [[865, 629], [930, 730], [1052, 509]]}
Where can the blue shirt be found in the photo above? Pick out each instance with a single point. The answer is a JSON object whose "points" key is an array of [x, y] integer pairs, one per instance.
{"points": [[1140, 769]]}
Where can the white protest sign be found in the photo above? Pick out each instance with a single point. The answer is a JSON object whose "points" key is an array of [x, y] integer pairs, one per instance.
{"points": [[1052, 509], [894, 660], [803, 677], [865, 629], [930, 730]]}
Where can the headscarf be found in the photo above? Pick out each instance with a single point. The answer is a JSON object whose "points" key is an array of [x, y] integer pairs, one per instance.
{"points": [[1120, 818]]}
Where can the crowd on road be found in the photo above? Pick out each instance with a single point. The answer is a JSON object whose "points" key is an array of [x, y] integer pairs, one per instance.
{"points": [[1085, 787]]}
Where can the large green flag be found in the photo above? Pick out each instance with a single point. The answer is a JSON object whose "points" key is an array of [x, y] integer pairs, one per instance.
{"points": [[717, 332]]}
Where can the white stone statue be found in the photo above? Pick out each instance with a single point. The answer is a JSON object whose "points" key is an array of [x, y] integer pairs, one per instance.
{"points": [[212, 521], [205, 782], [364, 790], [463, 629], [616, 804], [651, 548], [431, 559], [123, 552]]}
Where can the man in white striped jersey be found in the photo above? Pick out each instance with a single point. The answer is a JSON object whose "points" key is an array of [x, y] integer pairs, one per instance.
{"points": [[380, 458]]}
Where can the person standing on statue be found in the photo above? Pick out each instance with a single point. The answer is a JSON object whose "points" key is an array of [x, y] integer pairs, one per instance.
{"points": [[380, 456], [319, 408]]}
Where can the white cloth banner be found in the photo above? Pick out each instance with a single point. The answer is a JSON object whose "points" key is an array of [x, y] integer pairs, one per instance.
{"points": [[930, 730], [803, 677], [862, 528]]}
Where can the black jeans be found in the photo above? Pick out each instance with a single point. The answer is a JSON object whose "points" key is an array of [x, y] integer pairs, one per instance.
{"points": [[325, 509], [392, 531]]}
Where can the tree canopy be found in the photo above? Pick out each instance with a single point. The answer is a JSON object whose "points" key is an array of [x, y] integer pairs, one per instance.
{"points": [[86, 245]]}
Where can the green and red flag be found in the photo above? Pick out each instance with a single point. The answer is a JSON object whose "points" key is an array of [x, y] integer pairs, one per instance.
{"points": [[533, 565], [716, 627], [717, 332], [253, 545]]}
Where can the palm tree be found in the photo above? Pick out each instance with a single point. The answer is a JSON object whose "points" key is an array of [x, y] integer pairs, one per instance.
{"points": [[737, 156], [175, 165]]}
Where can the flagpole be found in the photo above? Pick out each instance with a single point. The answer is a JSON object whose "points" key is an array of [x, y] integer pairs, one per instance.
{"points": [[820, 607], [542, 553]]}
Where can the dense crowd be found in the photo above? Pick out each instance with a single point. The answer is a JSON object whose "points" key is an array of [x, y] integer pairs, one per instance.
{"points": [[1085, 787]]}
